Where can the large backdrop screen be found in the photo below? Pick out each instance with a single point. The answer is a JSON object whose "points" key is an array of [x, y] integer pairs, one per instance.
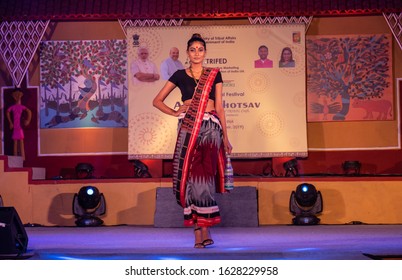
{"points": [[265, 103]]}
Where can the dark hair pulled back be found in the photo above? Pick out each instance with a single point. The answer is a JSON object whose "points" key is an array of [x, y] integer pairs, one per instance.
{"points": [[196, 38]]}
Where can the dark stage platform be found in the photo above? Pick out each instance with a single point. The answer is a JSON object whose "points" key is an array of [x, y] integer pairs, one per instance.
{"points": [[284, 242]]}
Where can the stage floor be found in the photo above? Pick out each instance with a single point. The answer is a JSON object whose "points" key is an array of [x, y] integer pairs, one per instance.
{"points": [[284, 242]]}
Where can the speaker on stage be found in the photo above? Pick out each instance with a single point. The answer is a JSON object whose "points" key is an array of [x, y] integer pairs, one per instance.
{"points": [[13, 237]]}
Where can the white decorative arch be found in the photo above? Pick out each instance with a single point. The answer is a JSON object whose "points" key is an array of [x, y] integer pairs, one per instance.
{"points": [[148, 22], [18, 43], [395, 24], [282, 20]]}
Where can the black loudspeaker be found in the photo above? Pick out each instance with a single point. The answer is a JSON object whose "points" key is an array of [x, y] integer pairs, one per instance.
{"points": [[13, 237]]}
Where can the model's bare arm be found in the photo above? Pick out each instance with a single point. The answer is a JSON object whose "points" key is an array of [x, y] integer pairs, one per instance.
{"points": [[159, 103]]}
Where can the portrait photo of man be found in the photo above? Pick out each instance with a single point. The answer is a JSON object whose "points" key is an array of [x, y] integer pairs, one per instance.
{"points": [[171, 64], [143, 69], [263, 61]]}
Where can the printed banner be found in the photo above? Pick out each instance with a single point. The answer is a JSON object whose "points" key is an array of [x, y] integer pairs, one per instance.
{"points": [[83, 97], [349, 78], [83, 84], [264, 99]]}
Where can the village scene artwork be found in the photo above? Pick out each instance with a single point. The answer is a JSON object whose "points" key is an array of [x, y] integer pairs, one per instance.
{"points": [[349, 78], [83, 84]]}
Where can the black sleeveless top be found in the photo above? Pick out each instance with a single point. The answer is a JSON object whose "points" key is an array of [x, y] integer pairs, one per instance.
{"points": [[186, 84]]}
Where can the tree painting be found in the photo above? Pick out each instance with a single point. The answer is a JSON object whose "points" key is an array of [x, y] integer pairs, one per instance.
{"points": [[349, 78], [83, 84]]}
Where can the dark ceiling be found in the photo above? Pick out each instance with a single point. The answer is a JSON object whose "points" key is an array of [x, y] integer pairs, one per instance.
{"points": [[11, 10]]}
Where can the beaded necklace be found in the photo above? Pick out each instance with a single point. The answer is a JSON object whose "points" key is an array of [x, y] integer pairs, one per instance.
{"points": [[192, 74]]}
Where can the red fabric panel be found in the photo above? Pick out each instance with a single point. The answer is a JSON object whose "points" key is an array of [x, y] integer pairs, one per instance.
{"points": [[155, 9]]}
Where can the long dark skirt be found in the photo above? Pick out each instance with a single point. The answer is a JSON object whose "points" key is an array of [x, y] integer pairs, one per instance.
{"points": [[201, 207]]}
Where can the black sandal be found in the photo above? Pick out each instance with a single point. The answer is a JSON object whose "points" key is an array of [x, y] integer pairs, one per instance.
{"points": [[208, 241], [198, 245]]}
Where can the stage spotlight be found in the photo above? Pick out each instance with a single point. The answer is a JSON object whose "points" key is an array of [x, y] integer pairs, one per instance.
{"points": [[305, 203], [84, 170], [88, 204], [291, 168], [141, 170], [351, 167]]}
